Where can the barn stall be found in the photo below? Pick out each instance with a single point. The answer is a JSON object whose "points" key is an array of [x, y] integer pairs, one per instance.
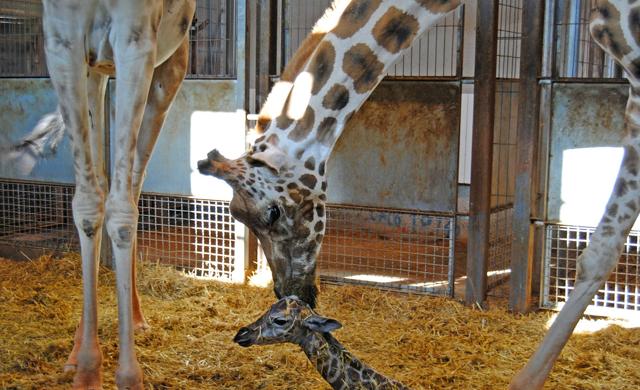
{"points": [[400, 217]]}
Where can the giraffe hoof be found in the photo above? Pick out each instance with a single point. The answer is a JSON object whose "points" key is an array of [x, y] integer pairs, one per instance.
{"points": [[142, 327], [87, 381]]}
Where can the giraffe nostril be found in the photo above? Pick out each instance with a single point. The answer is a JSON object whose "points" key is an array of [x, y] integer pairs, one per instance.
{"points": [[243, 337], [203, 165]]}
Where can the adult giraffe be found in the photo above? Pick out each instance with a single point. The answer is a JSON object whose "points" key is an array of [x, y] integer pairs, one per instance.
{"points": [[144, 43], [280, 184]]}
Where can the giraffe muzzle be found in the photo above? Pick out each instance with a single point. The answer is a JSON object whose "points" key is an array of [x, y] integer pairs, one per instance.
{"points": [[244, 337], [215, 165]]}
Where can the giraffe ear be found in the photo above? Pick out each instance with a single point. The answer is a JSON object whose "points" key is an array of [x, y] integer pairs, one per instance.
{"points": [[272, 157], [321, 324]]}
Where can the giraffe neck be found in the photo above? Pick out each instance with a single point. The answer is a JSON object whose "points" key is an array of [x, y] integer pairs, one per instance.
{"points": [[339, 367], [310, 112]]}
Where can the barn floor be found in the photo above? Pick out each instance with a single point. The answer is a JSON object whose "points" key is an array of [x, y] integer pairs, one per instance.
{"points": [[426, 342]]}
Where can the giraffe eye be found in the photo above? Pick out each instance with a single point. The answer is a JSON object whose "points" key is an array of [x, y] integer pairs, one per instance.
{"points": [[273, 213], [280, 321]]}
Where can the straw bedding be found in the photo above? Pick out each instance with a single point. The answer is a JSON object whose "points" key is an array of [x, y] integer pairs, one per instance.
{"points": [[425, 342]]}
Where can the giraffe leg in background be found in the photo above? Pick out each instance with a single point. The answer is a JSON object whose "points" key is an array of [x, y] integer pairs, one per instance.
{"points": [[599, 259], [165, 84]]}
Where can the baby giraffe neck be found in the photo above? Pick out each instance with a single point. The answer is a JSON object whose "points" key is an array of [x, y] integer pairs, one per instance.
{"points": [[340, 368]]}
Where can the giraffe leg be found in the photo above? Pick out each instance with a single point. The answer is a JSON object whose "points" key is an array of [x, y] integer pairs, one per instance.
{"points": [[135, 54], [68, 75], [96, 83], [599, 259], [166, 81]]}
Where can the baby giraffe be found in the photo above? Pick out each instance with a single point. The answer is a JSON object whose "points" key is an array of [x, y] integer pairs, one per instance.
{"points": [[292, 320]]}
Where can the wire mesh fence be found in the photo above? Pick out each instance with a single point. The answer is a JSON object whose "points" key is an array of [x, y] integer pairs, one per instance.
{"points": [[37, 215], [504, 144], [193, 234], [21, 39], [391, 249], [576, 54], [436, 53], [212, 39], [563, 245]]}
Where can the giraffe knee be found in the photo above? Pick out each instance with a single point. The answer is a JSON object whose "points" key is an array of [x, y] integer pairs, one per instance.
{"points": [[88, 211], [121, 220], [595, 266]]}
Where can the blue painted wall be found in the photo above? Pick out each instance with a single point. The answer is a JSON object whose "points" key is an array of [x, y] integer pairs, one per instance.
{"points": [[22, 103], [206, 114]]}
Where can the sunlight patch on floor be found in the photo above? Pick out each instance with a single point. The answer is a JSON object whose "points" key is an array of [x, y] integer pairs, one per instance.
{"points": [[375, 278]]}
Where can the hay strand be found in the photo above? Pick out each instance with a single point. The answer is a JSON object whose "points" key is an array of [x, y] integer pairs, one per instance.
{"points": [[424, 342]]}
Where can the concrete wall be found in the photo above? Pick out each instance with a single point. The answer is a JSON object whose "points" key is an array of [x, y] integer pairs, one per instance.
{"points": [[586, 149], [401, 149]]}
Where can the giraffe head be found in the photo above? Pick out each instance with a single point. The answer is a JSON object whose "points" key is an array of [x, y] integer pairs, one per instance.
{"points": [[290, 320], [283, 203]]}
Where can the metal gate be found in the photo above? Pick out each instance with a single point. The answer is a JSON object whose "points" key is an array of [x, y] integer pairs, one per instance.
{"points": [[581, 77], [563, 246]]}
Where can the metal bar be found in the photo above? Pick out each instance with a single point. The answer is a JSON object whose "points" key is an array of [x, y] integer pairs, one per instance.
{"points": [[525, 195], [452, 258], [482, 153], [546, 271], [263, 52], [549, 32]]}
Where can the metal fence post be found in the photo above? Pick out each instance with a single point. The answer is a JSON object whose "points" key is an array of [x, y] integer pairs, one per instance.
{"points": [[482, 155], [525, 195]]}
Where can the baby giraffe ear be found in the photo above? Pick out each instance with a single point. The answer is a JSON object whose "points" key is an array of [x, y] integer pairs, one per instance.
{"points": [[321, 324], [272, 157]]}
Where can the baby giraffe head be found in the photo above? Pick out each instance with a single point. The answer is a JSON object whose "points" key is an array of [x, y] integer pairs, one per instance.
{"points": [[288, 320]]}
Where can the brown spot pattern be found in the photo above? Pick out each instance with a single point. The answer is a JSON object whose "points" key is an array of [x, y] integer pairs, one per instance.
{"points": [[307, 211], [295, 196], [395, 30], [362, 65], [439, 6], [609, 35], [326, 130], [355, 16], [310, 164], [303, 126], [321, 65], [337, 98], [631, 160], [309, 180], [621, 187], [634, 24], [318, 227], [283, 121]]}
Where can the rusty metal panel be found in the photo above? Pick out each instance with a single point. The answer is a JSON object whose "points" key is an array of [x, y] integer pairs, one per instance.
{"points": [[586, 149], [23, 102], [400, 150]]}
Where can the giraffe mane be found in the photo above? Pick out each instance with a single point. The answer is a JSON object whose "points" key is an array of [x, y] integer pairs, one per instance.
{"points": [[276, 100]]}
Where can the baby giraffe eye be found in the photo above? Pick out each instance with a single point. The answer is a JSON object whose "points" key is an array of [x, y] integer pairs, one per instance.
{"points": [[273, 213], [280, 321]]}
